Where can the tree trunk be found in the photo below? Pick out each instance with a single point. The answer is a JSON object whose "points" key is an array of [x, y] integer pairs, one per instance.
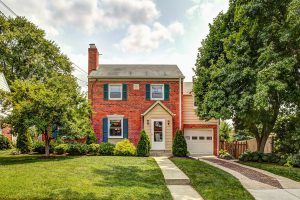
{"points": [[261, 142], [47, 144]]}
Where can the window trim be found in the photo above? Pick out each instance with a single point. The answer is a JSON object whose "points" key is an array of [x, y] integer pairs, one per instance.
{"points": [[108, 126], [109, 91], [163, 91]]}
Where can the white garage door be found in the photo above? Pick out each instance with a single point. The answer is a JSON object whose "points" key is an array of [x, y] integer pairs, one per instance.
{"points": [[199, 141]]}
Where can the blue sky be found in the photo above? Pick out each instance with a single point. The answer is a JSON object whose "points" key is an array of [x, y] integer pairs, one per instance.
{"points": [[125, 31]]}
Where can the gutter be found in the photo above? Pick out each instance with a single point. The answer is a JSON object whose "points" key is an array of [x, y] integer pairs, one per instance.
{"points": [[180, 105]]}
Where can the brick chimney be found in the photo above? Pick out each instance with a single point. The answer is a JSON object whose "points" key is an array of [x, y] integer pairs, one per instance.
{"points": [[93, 58]]}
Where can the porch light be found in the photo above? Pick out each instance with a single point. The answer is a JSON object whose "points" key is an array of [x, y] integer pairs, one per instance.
{"points": [[168, 122], [148, 122]]}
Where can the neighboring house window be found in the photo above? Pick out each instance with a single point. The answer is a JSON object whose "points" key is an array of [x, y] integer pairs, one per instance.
{"points": [[157, 92], [195, 101], [115, 92], [115, 127]]}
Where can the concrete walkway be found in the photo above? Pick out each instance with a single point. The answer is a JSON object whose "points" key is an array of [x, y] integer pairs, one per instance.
{"points": [[261, 191], [177, 181]]}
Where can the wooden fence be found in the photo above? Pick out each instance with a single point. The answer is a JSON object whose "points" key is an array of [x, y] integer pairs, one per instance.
{"points": [[234, 148], [238, 147]]}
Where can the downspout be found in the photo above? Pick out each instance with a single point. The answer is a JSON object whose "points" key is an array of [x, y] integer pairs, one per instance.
{"points": [[180, 106]]}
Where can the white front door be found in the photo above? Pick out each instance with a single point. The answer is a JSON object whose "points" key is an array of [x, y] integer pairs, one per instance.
{"points": [[158, 134]]}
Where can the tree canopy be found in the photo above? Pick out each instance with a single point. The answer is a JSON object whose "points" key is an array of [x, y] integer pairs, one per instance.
{"points": [[248, 67], [26, 53]]}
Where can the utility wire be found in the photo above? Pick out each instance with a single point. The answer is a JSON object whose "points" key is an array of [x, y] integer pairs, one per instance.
{"points": [[9, 9]]}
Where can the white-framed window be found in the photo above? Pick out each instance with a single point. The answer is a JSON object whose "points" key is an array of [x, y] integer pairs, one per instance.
{"points": [[194, 101], [157, 91], [115, 91], [115, 127]]}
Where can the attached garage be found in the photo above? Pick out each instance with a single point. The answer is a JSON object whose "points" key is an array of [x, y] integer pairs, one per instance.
{"points": [[199, 140]]}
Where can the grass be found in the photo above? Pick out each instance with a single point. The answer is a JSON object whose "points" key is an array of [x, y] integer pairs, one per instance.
{"points": [[85, 177], [211, 182], [288, 172]]}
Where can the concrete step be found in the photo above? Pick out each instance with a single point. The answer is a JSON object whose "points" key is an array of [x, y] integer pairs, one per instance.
{"points": [[166, 153], [172, 175], [184, 192]]}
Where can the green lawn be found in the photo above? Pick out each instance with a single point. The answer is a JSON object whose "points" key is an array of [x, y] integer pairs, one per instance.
{"points": [[292, 173], [86, 177], [210, 182]]}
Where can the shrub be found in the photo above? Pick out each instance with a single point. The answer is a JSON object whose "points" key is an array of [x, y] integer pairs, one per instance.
{"points": [[248, 156], [106, 149], [38, 147], [77, 149], [4, 143], [144, 145], [61, 149], [24, 142], [125, 148], [93, 149], [179, 145], [225, 155], [295, 160], [91, 138]]}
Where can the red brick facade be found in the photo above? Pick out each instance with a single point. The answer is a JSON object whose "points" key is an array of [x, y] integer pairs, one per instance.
{"points": [[7, 132], [133, 107], [215, 130]]}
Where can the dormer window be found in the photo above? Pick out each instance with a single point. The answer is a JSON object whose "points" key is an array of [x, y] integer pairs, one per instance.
{"points": [[157, 92], [115, 91]]}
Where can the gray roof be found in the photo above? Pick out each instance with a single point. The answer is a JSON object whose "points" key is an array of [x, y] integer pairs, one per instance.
{"points": [[131, 71], [187, 87], [3, 83]]}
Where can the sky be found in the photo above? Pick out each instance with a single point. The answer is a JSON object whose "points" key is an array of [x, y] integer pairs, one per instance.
{"points": [[124, 31]]}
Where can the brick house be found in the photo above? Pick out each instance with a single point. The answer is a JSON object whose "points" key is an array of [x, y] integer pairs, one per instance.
{"points": [[129, 98]]}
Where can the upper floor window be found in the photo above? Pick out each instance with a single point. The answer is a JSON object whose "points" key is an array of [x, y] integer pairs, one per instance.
{"points": [[115, 91], [157, 91], [195, 101]]}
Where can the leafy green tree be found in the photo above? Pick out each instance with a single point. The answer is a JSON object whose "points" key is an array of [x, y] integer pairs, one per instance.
{"points": [[144, 145], [225, 130], [179, 147], [53, 101], [26, 53], [248, 66], [24, 142], [287, 129]]}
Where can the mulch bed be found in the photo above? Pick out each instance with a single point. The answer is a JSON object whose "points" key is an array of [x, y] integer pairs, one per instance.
{"points": [[249, 173]]}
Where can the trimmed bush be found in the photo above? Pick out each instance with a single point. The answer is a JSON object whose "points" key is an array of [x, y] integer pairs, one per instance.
{"points": [[248, 156], [24, 142], [77, 149], [4, 143], [144, 145], [61, 149], [106, 149], [223, 154], [295, 160], [38, 147], [93, 149], [125, 148], [91, 138], [179, 145]]}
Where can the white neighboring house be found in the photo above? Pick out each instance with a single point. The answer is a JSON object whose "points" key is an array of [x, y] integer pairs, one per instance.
{"points": [[4, 87]]}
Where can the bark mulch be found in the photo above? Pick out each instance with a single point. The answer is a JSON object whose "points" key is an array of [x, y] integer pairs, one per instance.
{"points": [[250, 173]]}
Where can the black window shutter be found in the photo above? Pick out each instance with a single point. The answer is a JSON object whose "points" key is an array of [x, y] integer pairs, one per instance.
{"points": [[166, 92], [147, 91], [105, 129], [105, 91], [124, 96], [125, 128]]}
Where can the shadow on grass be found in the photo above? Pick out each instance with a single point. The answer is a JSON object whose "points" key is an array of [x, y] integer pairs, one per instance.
{"points": [[23, 159]]}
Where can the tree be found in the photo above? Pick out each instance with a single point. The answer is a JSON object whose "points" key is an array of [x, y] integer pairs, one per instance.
{"points": [[26, 53], [144, 145], [179, 147], [24, 142], [53, 101], [225, 130], [248, 66]]}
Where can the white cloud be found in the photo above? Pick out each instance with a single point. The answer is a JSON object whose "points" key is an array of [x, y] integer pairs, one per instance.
{"points": [[143, 38], [85, 15]]}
